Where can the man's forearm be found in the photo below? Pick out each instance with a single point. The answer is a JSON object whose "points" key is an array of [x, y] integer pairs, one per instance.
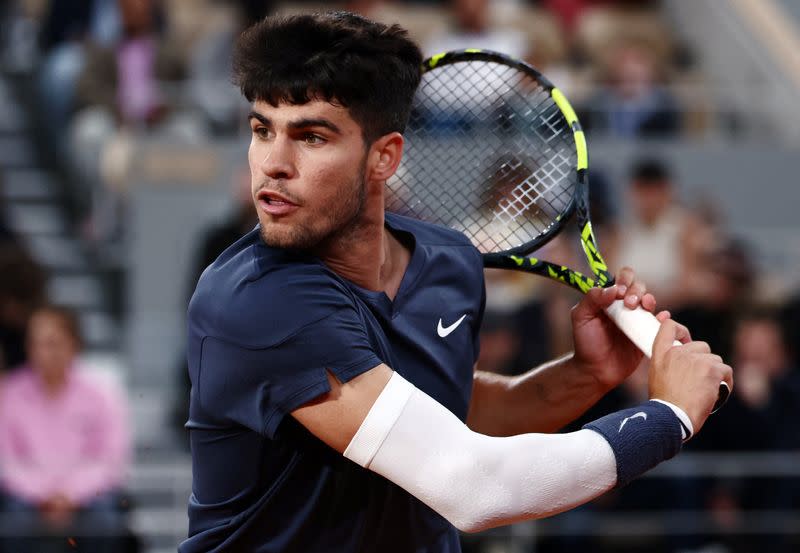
{"points": [[543, 399], [478, 482]]}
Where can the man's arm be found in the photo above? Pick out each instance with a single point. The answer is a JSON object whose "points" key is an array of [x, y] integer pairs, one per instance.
{"points": [[548, 397], [544, 399], [335, 417], [475, 481], [383, 423]]}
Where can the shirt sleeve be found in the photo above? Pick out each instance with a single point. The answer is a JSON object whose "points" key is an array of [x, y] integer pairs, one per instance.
{"points": [[317, 330]]}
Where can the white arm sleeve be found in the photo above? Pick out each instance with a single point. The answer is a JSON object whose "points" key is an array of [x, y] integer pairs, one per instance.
{"points": [[472, 480]]}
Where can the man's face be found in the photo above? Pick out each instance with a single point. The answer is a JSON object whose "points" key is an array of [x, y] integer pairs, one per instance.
{"points": [[307, 167]]}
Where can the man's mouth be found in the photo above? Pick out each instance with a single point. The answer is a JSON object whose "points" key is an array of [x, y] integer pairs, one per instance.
{"points": [[274, 203]]}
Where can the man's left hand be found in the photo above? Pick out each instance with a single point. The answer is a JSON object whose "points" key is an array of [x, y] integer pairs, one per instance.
{"points": [[601, 348]]}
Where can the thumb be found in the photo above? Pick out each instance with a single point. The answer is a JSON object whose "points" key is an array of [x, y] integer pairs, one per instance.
{"points": [[664, 338], [595, 300]]}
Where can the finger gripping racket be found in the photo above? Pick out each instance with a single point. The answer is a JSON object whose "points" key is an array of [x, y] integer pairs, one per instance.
{"points": [[495, 151]]}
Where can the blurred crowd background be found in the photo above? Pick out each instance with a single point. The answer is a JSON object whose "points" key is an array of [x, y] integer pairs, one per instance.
{"points": [[123, 174]]}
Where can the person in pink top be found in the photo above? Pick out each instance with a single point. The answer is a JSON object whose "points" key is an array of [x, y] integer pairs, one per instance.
{"points": [[64, 444]]}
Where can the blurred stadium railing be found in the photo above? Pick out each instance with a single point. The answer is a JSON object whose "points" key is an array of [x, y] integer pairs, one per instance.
{"points": [[161, 488]]}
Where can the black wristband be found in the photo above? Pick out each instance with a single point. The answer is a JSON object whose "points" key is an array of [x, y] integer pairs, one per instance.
{"points": [[641, 438]]}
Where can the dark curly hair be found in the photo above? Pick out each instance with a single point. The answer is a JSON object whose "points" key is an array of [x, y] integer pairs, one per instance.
{"points": [[369, 68]]}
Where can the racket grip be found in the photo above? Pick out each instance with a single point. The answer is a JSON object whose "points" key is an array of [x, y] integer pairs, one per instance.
{"points": [[641, 327]]}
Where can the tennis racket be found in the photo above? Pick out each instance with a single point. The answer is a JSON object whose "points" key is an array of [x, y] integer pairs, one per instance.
{"points": [[495, 151]]}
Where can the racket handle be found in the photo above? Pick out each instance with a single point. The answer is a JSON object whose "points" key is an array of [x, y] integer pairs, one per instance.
{"points": [[641, 327]]}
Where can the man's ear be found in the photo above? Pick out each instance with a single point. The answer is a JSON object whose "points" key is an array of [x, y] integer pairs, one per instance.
{"points": [[384, 156]]}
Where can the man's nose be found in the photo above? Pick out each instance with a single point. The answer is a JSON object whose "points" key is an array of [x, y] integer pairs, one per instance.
{"points": [[278, 163]]}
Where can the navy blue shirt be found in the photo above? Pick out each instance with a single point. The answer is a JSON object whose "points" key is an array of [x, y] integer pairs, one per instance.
{"points": [[265, 325]]}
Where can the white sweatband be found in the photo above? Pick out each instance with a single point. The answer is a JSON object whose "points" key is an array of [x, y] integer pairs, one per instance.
{"points": [[472, 480]]}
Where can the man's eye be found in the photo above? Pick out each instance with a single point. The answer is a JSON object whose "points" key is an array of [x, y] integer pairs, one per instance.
{"points": [[311, 138], [261, 132]]}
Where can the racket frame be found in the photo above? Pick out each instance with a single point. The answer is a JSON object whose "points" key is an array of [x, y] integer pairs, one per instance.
{"points": [[518, 258]]}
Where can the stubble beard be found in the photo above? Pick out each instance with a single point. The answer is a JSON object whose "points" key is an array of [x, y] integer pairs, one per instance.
{"points": [[342, 221]]}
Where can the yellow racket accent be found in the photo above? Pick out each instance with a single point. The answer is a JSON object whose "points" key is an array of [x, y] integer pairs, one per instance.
{"points": [[596, 262], [520, 261], [569, 113], [580, 144], [573, 278], [434, 61], [564, 105]]}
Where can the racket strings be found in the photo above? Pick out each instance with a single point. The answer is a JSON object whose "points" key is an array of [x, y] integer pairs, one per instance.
{"points": [[487, 152], [534, 190]]}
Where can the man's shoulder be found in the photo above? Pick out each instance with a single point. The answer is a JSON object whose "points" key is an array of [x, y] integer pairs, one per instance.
{"points": [[428, 234], [256, 295]]}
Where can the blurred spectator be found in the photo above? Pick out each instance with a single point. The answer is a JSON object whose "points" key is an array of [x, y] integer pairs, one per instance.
{"points": [[124, 77], [125, 88], [67, 28], [569, 12], [764, 411], [64, 443], [790, 320], [471, 27], [632, 101], [22, 289], [210, 87], [761, 415], [727, 284], [659, 233], [548, 51], [457, 108], [7, 13], [6, 234], [19, 35], [765, 380]]}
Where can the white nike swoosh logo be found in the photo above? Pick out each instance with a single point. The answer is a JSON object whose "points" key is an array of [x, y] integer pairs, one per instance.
{"points": [[443, 331], [640, 414]]}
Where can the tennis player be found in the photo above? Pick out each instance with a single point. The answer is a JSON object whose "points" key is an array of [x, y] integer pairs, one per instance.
{"points": [[335, 401]]}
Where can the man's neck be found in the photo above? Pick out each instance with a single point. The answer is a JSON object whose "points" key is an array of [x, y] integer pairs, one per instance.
{"points": [[369, 256], [396, 259]]}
